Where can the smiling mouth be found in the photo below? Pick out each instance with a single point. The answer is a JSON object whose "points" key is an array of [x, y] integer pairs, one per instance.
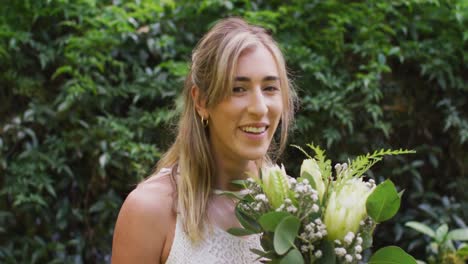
{"points": [[254, 130]]}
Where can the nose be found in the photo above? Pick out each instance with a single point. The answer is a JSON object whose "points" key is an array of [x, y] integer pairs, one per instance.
{"points": [[258, 103]]}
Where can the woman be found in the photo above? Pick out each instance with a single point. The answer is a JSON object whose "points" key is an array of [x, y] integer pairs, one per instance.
{"points": [[235, 96]]}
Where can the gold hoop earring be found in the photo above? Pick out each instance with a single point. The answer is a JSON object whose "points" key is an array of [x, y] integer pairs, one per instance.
{"points": [[204, 121]]}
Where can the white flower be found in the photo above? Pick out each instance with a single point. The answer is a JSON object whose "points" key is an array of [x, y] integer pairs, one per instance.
{"points": [[340, 252], [318, 254], [315, 208], [314, 197], [344, 166], [324, 232], [358, 249], [261, 197], [348, 239], [311, 167], [348, 258], [338, 168], [291, 209], [346, 208], [359, 240]]}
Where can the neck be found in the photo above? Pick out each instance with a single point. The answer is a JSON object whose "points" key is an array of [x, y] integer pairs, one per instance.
{"points": [[227, 171]]}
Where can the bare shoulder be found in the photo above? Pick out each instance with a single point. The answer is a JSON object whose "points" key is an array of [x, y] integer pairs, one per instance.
{"points": [[141, 228]]}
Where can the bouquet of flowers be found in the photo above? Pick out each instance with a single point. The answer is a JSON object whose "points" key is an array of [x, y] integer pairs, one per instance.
{"points": [[321, 216]]}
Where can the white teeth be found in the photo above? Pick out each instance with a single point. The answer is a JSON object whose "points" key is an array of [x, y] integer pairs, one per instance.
{"points": [[254, 129]]}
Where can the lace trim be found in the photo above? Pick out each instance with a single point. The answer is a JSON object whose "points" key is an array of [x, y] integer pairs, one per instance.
{"points": [[217, 247]]}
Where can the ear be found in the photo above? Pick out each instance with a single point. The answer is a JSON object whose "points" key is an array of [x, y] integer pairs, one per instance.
{"points": [[200, 102]]}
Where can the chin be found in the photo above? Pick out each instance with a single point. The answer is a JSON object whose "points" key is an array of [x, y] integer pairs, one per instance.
{"points": [[255, 154]]}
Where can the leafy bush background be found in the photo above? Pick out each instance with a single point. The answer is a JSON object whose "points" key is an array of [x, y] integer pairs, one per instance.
{"points": [[88, 91]]}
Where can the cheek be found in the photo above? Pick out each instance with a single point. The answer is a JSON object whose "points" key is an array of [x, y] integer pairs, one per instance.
{"points": [[226, 114], [276, 109]]}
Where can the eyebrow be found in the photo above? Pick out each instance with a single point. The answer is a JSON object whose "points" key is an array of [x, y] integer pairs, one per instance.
{"points": [[247, 79]]}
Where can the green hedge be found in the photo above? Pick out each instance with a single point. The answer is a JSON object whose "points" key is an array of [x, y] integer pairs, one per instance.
{"points": [[88, 96]]}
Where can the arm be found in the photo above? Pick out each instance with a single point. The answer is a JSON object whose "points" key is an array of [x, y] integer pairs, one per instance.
{"points": [[141, 227]]}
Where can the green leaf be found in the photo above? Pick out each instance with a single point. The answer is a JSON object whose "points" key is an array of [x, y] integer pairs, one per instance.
{"points": [[239, 183], [458, 234], [391, 255], [62, 70], [293, 256], [236, 231], [328, 256], [422, 228], [383, 203], [263, 254], [400, 194], [463, 251], [97, 207], [270, 220], [267, 241], [285, 234], [235, 195], [441, 233], [246, 221]]}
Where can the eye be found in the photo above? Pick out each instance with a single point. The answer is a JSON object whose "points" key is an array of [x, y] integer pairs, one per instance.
{"points": [[238, 89], [271, 88]]}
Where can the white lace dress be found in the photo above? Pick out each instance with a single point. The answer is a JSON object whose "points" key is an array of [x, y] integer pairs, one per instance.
{"points": [[218, 247]]}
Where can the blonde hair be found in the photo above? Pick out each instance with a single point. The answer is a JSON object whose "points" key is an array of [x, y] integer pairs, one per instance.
{"points": [[212, 71]]}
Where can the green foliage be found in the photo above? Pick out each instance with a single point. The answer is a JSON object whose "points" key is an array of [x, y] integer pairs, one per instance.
{"points": [[285, 233], [363, 163], [88, 100], [383, 203], [270, 220], [442, 248], [293, 256], [391, 255], [280, 226]]}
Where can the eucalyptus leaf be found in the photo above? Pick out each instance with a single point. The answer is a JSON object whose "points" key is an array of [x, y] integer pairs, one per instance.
{"points": [[270, 220], [391, 255], [293, 256], [285, 234], [383, 203]]}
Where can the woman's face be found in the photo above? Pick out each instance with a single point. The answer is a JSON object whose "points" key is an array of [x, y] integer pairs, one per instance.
{"points": [[242, 125]]}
